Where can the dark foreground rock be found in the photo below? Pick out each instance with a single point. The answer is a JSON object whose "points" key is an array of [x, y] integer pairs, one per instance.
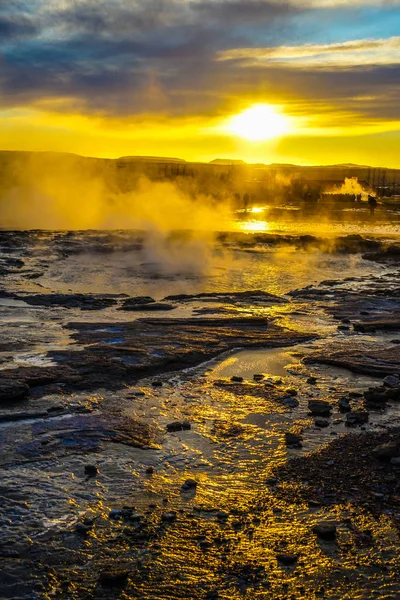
{"points": [[360, 472]]}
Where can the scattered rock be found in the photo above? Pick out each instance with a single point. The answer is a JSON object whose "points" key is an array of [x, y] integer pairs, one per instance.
{"points": [[293, 439], [355, 418], [236, 379], [113, 578], [150, 470], [190, 484], [168, 517], [344, 405], [321, 422], [179, 426], [287, 559], [325, 531], [387, 451], [91, 470], [320, 408], [12, 390], [291, 402], [291, 392], [258, 377], [391, 381]]}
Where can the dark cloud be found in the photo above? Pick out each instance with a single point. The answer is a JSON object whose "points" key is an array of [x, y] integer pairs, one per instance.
{"points": [[128, 57]]}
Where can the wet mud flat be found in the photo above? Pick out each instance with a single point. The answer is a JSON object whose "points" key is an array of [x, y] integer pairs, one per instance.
{"points": [[241, 444]]}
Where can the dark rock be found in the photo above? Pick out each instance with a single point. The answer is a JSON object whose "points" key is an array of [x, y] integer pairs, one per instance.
{"points": [[293, 439], [387, 451], [312, 380], [91, 470], [150, 470], [320, 422], [113, 578], [236, 379], [83, 528], [258, 377], [168, 517], [344, 405], [213, 595], [154, 306], [291, 392], [222, 516], [391, 381], [325, 531], [291, 402], [319, 408], [355, 418], [178, 426], [157, 383], [13, 390], [190, 484], [287, 559]]}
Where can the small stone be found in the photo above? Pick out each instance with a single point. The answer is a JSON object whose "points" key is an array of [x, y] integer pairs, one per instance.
{"points": [[178, 426], [343, 328], [293, 439], [258, 377], [149, 470], [190, 484], [83, 528], [319, 408], [291, 402], [113, 578], [222, 516], [157, 383], [391, 381], [320, 422], [325, 531], [291, 392], [236, 379], [312, 380], [287, 559], [386, 451], [344, 405], [168, 517], [91, 470], [115, 514], [355, 418]]}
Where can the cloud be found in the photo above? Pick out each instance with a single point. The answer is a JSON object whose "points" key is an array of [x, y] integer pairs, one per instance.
{"points": [[367, 52]]}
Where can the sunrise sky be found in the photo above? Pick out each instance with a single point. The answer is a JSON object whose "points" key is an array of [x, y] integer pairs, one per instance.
{"points": [[170, 77]]}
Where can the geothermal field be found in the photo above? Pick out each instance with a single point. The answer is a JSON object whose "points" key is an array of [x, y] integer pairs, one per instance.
{"points": [[209, 411]]}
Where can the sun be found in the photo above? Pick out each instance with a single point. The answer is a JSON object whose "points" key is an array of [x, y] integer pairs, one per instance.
{"points": [[259, 122]]}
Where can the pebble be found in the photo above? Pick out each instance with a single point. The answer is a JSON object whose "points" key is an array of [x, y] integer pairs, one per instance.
{"points": [[168, 517], [312, 380], [325, 531], [319, 408], [293, 439], [258, 377], [157, 383], [344, 405], [222, 516], [291, 402], [115, 514], [113, 578], [190, 484], [291, 392], [320, 422], [236, 379], [179, 426], [287, 559], [355, 418], [149, 470], [391, 381], [91, 470]]}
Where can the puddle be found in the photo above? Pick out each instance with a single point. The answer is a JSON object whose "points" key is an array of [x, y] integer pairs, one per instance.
{"points": [[270, 361]]}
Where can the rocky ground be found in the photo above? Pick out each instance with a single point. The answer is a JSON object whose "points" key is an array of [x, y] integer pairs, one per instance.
{"points": [[146, 457]]}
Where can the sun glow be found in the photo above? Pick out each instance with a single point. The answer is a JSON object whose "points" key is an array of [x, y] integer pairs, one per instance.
{"points": [[259, 122]]}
